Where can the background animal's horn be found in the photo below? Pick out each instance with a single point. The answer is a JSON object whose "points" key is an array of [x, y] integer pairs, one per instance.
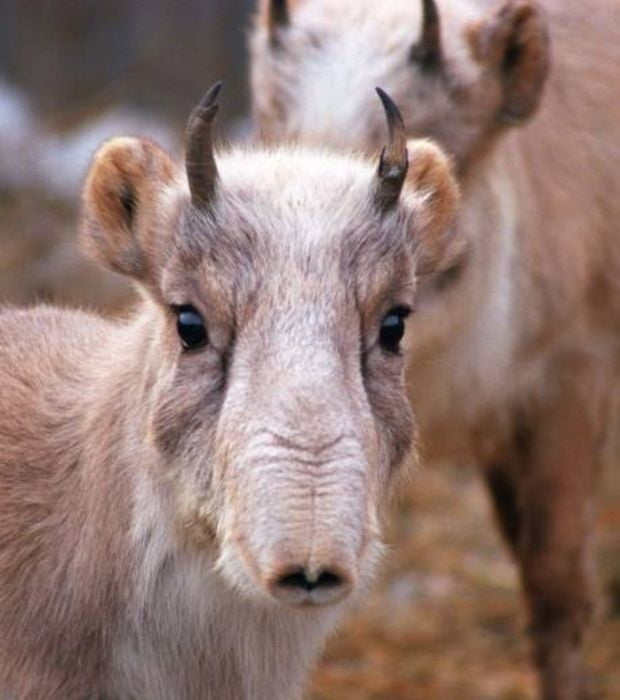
{"points": [[394, 160], [428, 48], [278, 15], [199, 158]]}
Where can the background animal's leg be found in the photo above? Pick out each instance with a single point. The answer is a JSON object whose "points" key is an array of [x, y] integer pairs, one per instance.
{"points": [[502, 469], [556, 494], [503, 489]]}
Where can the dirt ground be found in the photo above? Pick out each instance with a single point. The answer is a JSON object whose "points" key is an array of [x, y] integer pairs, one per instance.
{"points": [[446, 620]]}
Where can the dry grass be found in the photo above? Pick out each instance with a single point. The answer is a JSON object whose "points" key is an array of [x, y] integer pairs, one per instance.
{"points": [[40, 261], [446, 620]]}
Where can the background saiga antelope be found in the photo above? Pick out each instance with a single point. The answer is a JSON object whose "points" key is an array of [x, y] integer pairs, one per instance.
{"points": [[525, 321]]}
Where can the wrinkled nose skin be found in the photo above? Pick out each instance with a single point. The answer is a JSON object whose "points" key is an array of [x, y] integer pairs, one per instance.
{"points": [[303, 536], [299, 485]]}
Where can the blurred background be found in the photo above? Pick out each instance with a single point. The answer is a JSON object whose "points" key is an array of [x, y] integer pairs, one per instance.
{"points": [[75, 72], [445, 620]]}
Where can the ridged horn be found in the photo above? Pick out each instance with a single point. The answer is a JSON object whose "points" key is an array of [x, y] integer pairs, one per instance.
{"points": [[199, 158], [394, 160]]}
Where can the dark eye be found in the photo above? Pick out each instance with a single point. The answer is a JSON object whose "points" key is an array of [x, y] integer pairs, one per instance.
{"points": [[191, 327], [393, 328]]}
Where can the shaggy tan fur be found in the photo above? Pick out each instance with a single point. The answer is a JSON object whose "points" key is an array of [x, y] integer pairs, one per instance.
{"points": [[151, 497]]}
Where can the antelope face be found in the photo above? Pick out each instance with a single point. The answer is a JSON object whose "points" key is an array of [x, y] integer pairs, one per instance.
{"points": [[277, 288]]}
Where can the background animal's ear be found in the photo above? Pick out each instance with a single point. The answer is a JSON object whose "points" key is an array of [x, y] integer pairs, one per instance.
{"points": [[514, 41], [122, 208], [433, 188]]}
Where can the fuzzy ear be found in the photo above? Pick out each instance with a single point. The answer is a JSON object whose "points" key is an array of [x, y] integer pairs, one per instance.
{"points": [[514, 42], [432, 185], [121, 205]]}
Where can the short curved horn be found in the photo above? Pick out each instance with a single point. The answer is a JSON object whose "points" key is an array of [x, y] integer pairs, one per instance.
{"points": [[427, 50], [394, 160], [199, 158], [278, 17]]}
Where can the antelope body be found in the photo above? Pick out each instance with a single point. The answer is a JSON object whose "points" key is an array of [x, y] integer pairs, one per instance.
{"points": [[188, 497], [516, 335]]}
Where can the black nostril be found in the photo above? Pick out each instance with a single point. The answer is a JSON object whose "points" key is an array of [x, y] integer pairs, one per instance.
{"points": [[299, 579], [327, 579]]}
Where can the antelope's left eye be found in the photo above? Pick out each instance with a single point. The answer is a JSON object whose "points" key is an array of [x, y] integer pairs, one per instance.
{"points": [[393, 328], [190, 327]]}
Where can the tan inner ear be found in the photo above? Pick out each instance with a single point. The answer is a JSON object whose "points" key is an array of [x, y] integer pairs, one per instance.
{"points": [[121, 202], [514, 42], [431, 175], [431, 180], [525, 64]]}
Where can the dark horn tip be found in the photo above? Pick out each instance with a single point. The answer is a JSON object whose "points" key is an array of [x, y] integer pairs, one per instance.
{"points": [[394, 159], [394, 117], [278, 13], [382, 94], [427, 51], [210, 98], [431, 11], [199, 159], [388, 103]]}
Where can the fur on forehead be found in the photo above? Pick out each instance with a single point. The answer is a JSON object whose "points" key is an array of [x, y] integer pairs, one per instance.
{"points": [[271, 213], [296, 206]]}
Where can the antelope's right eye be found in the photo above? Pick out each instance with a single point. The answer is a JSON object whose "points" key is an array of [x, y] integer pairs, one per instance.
{"points": [[190, 327], [393, 328]]}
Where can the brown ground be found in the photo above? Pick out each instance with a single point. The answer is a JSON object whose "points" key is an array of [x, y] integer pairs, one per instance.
{"points": [[446, 619], [39, 258]]}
